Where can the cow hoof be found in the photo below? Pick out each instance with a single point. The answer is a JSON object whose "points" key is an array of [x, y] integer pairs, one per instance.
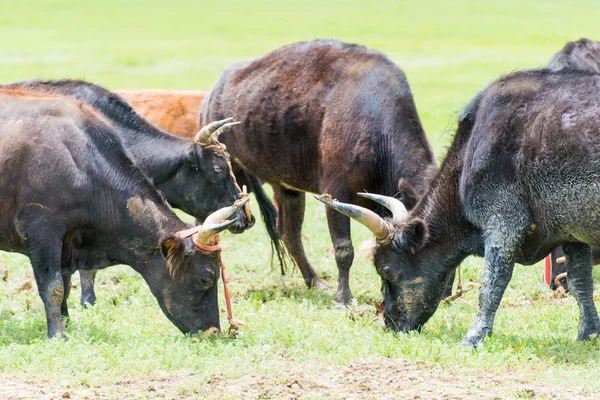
{"points": [[343, 300], [320, 285], [340, 304], [471, 343], [58, 336], [587, 336]]}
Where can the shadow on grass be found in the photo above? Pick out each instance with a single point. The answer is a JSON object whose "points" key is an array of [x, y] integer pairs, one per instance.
{"points": [[295, 293], [271, 292]]}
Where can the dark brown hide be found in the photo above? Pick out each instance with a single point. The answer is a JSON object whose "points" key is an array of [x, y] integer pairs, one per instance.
{"points": [[322, 117]]}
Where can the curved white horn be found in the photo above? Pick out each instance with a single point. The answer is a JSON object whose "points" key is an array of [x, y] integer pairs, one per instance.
{"points": [[204, 134], [222, 214], [209, 230], [381, 229], [399, 212], [223, 129]]}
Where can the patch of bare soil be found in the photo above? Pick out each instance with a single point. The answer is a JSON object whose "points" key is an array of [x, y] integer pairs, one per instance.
{"points": [[377, 378]]}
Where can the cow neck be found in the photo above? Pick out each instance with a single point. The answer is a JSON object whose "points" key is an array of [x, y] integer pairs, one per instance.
{"points": [[146, 220], [451, 236], [158, 154]]}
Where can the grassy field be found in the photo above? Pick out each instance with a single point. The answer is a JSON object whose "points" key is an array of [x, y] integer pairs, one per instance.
{"points": [[449, 50]]}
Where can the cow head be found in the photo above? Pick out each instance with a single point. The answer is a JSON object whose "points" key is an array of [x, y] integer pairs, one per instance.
{"points": [[205, 182], [412, 288], [184, 277]]}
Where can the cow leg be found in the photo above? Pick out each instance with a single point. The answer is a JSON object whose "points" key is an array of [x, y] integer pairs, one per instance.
{"points": [[289, 223], [45, 260], [88, 295], [557, 268], [339, 230], [581, 285], [448, 290], [64, 310], [498, 269]]}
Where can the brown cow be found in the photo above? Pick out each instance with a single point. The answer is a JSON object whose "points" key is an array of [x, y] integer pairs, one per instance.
{"points": [[322, 117], [175, 111]]}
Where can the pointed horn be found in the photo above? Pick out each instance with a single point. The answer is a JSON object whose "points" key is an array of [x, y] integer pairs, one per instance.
{"points": [[203, 136], [225, 212], [399, 212], [223, 129], [368, 218], [209, 230], [244, 194]]}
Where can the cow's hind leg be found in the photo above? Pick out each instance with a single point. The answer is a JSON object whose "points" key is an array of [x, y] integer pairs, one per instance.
{"points": [[339, 230], [88, 295], [64, 310], [581, 285], [291, 206]]}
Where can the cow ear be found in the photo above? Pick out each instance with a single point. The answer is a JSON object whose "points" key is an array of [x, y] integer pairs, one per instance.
{"points": [[412, 235], [407, 194], [174, 249], [193, 157]]}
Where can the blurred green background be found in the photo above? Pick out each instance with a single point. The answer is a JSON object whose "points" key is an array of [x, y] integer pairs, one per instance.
{"points": [[448, 49]]}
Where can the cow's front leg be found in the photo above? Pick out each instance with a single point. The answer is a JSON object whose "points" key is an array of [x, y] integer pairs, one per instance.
{"points": [[339, 230], [581, 285], [498, 269], [50, 286]]}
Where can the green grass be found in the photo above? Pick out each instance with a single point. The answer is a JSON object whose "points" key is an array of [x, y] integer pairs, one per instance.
{"points": [[449, 50]]}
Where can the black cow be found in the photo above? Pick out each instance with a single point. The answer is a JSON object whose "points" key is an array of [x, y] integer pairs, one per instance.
{"points": [[71, 198], [322, 117], [193, 176], [520, 178]]}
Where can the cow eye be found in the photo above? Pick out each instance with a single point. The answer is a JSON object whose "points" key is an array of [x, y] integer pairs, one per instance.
{"points": [[217, 171], [384, 270], [206, 282]]}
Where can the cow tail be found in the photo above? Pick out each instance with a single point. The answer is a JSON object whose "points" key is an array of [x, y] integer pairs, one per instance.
{"points": [[269, 216]]}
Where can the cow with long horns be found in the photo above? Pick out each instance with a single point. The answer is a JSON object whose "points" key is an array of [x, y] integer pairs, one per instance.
{"points": [[193, 175], [321, 117], [72, 198], [520, 178]]}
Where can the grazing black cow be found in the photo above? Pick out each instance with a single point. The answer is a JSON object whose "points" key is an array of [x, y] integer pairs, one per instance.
{"points": [[71, 198], [321, 117], [192, 175], [520, 178]]}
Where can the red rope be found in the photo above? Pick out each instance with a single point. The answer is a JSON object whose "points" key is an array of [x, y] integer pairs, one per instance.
{"points": [[234, 324]]}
